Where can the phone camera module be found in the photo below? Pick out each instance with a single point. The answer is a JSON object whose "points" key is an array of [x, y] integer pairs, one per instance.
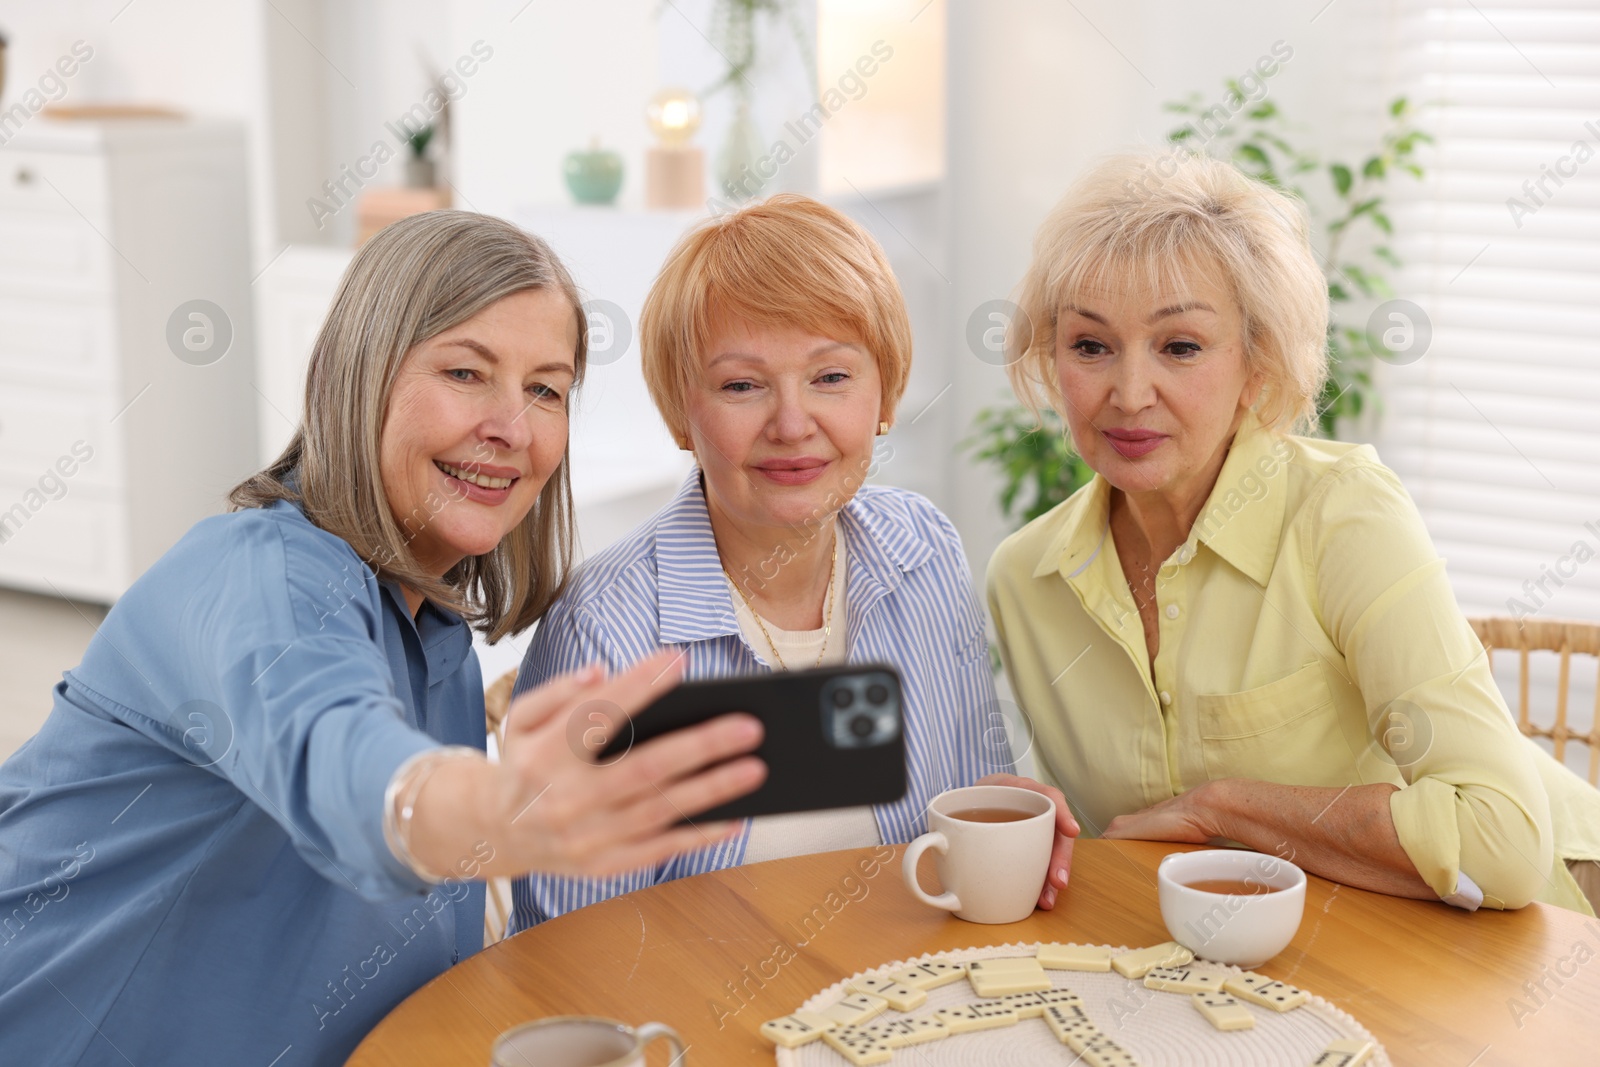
{"points": [[860, 712]]}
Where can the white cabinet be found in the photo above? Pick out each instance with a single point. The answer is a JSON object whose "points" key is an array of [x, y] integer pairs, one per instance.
{"points": [[111, 445]]}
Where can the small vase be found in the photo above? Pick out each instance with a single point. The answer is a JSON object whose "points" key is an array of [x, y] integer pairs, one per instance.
{"points": [[420, 173], [740, 158], [594, 175]]}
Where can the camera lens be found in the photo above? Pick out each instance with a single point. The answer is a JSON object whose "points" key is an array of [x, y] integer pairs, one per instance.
{"points": [[862, 725], [843, 697], [877, 694]]}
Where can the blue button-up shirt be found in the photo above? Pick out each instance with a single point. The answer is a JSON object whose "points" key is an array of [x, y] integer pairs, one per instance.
{"points": [[192, 863], [908, 602]]}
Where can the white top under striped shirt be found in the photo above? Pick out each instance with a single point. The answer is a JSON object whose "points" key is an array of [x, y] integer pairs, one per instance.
{"points": [[909, 602], [800, 833]]}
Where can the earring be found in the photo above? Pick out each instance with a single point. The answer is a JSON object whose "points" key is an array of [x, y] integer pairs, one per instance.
{"points": [[684, 445], [883, 429]]}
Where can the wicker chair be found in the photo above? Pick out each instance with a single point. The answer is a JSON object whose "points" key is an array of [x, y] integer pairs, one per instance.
{"points": [[497, 891], [1554, 635]]}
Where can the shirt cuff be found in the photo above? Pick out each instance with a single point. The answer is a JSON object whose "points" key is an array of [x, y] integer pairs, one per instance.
{"points": [[1467, 897]]}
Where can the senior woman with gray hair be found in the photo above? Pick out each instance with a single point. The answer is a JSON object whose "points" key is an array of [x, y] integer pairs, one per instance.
{"points": [[1263, 645], [253, 819]]}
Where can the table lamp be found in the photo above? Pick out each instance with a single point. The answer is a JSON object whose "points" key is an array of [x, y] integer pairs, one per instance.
{"points": [[674, 169]]}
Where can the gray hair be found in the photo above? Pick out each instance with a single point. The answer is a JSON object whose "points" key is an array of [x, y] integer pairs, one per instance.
{"points": [[412, 281]]}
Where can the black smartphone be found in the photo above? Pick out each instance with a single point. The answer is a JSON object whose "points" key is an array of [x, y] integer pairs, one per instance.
{"points": [[835, 736]]}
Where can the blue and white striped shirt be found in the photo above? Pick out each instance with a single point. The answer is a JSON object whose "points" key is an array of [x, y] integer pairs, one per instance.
{"points": [[908, 601]]}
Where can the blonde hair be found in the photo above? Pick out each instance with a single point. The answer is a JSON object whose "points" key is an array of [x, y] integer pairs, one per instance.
{"points": [[1128, 222], [413, 280], [789, 261]]}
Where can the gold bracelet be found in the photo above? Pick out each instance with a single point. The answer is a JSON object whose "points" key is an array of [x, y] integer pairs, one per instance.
{"points": [[398, 809]]}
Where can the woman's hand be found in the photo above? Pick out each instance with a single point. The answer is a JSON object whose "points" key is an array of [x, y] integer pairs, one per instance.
{"points": [[1346, 835], [1066, 829], [551, 807], [1188, 817]]}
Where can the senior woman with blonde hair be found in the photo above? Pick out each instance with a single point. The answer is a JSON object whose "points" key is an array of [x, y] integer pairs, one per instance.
{"points": [[776, 346], [250, 825], [1262, 642]]}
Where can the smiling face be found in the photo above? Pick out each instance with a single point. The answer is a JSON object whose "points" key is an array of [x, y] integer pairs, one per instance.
{"points": [[1155, 383], [780, 420], [476, 424]]}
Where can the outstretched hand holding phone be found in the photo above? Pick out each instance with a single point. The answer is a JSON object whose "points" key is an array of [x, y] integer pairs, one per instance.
{"points": [[549, 806]]}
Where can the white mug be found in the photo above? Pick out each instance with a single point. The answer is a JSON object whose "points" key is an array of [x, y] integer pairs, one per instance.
{"points": [[992, 872], [580, 1041]]}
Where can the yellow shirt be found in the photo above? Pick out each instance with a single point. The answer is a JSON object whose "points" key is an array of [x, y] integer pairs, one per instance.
{"points": [[1309, 636]]}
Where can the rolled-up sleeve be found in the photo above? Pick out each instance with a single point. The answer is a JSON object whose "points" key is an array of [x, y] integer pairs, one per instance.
{"points": [[1472, 802]]}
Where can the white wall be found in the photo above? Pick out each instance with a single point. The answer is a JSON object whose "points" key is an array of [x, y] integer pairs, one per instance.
{"points": [[562, 73]]}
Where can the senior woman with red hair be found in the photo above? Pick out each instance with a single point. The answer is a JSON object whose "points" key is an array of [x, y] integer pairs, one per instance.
{"points": [[776, 346]]}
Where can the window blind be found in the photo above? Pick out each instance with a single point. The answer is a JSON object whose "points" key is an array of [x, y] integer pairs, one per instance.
{"points": [[1495, 430]]}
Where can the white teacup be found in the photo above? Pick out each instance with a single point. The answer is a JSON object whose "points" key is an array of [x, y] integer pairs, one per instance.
{"points": [[992, 872], [1244, 930], [580, 1041]]}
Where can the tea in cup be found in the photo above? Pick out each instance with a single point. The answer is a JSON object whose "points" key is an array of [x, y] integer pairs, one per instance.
{"points": [[993, 844], [1230, 905]]}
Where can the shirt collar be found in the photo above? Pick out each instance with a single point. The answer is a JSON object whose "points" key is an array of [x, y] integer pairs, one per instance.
{"points": [[444, 636], [693, 600], [1242, 520]]}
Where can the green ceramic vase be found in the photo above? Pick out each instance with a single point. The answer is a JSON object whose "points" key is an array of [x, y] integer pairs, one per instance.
{"points": [[594, 174]]}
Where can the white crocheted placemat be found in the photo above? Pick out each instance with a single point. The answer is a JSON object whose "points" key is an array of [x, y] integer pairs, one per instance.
{"points": [[1161, 1029]]}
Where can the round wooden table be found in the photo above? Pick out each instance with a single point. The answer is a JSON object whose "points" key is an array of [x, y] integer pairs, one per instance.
{"points": [[717, 955]]}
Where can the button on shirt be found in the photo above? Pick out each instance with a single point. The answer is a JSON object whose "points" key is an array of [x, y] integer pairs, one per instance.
{"points": [[1308, 635], [192, 864], [909, 602]]}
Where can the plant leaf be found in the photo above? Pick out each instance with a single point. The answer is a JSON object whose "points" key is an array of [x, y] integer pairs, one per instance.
{"points": [[1341, 178]]}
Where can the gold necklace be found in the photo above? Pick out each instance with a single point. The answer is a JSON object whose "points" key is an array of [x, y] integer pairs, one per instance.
{"points": [[827, 611]]}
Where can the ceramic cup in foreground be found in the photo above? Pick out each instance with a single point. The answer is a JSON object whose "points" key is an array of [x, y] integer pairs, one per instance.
{"points": [[993, 844], [1229, 905], [580, 1041]]}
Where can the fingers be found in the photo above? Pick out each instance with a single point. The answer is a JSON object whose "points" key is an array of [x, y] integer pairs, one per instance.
{"points": [[1119, 827], [730, 781], [1060, 870], [681, 753], [613, 827], [1066, 825]]}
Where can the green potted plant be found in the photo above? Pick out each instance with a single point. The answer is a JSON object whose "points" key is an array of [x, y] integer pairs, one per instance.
{"points": [[420, 170]]}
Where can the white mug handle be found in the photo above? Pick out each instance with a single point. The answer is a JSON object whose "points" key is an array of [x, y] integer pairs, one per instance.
{"points": [[908, 867], [650, 1031]]}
